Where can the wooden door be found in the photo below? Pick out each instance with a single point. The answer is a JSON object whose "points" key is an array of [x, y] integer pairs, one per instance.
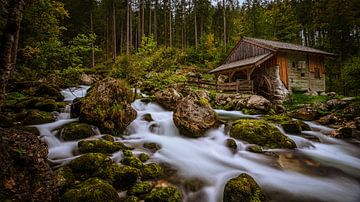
{"points": [[282, 61]]}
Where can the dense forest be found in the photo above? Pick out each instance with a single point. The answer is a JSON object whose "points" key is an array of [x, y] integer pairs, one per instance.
{"points": [[66, 37], [119, 100]]}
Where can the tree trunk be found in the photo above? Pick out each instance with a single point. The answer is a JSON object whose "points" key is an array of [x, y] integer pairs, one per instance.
{"points": [[114, 30], [170, 23], [155, 21], [142, 23], [183, 24], [150, 24], [195, 25], [127, 27], [224, 18], [92, 43], [9, 44]]}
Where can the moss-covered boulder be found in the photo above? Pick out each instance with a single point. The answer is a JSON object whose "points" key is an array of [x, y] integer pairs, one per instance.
{"points": [[125, 177], [92, 165], [151, 171], [108, 138], [243, 188], [45, 90], [289, 125], [168, 98], [255, 149], [153, 147], [92, 190], [76, 131], [164, 194], [76, 107], [132, 161], [100, 146], [141, 188], [261, 133], [231, 144], [64, 178], [47, 105], [44, 104], [108, 106], [144, 157], [34, 116], [131, 199], [193, 116]]}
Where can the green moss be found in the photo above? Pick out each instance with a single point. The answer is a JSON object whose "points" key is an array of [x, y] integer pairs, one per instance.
{"points": [[203, 101], [64, 178], [34, 117], [261, 133], [144, 157], [76, 131], [297, 99], [251, 111], [132, 199], [231, 144], [151, 171], [243, 188], [125, 177], [127, 153], [140, 188], [108, 138], [47, 105], [255, 149], [164, 194], [92, 190], [153, 147], [92, 165], [288, 124], [45, 90], [132, 161], [100, 146]]}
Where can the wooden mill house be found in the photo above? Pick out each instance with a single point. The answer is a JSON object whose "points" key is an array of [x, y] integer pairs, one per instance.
{"points": [[272, 68]]}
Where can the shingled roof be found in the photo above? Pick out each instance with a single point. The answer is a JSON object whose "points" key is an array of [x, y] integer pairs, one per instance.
{"points": [[276, 45], [245, 62]]}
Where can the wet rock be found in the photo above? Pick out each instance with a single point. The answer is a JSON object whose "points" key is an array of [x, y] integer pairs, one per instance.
{"points": [[64, 178], [329, 119], [168, 98], [100, 146], [140, 189], [357, 122], [40, 103], [331, 94], [261, 133], [34, 117], [144, 157], [125, 177], [92, 190], [76, 131], [255, 149], [258, 102], [87, 79], [153, 147], [289, 125], [193, 116], [25, 172], [305, 113], [243, 188], [108, 138], [146, 100], [336, 104], [231, 144], [343, 132], [164, 194], [193, 185], [151, 171], [76, 107], [147, 117], [108, 106]]}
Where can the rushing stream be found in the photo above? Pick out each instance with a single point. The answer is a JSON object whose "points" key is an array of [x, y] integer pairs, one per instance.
{"points": [[320, 169]]}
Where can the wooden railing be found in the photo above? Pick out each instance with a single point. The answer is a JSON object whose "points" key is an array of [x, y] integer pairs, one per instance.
{"points": [[238, 86]]}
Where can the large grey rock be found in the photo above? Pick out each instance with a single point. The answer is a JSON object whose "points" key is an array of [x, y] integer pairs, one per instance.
{"points": [[258, 102], [193, 116], [167, 98]]}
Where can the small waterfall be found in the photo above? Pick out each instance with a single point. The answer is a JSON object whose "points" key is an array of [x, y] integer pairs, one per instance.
{"points": [[295, 175]]}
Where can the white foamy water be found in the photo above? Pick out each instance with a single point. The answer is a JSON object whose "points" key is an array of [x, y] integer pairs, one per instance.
{"points": [[208, 158]]}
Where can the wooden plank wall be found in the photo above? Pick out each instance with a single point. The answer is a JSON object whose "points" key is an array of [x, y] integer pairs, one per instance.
{"points": [[283, 63], [245, 50], [316, 62]]}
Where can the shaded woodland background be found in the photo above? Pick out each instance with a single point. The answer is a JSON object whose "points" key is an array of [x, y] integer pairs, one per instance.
{"points": [[147, 41]]}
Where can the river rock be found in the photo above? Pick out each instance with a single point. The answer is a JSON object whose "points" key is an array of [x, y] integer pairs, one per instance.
{"points": [[76, 107], [231, 144], [108, 106], [45, 90], [305, 113], [151, 171], [25, 172], [289, 125], [329, 119], [258, 102], [193, 116], [168, 98], [164, 194], [76, 131], [92, 190], [141, 188], [343, 132], [336, 103], [243, 188], [34, 117], [100, 146], [261, 133]]}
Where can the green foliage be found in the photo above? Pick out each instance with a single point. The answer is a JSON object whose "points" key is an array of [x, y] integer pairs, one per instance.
{"points": [[352, 73], [297, 99]]}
